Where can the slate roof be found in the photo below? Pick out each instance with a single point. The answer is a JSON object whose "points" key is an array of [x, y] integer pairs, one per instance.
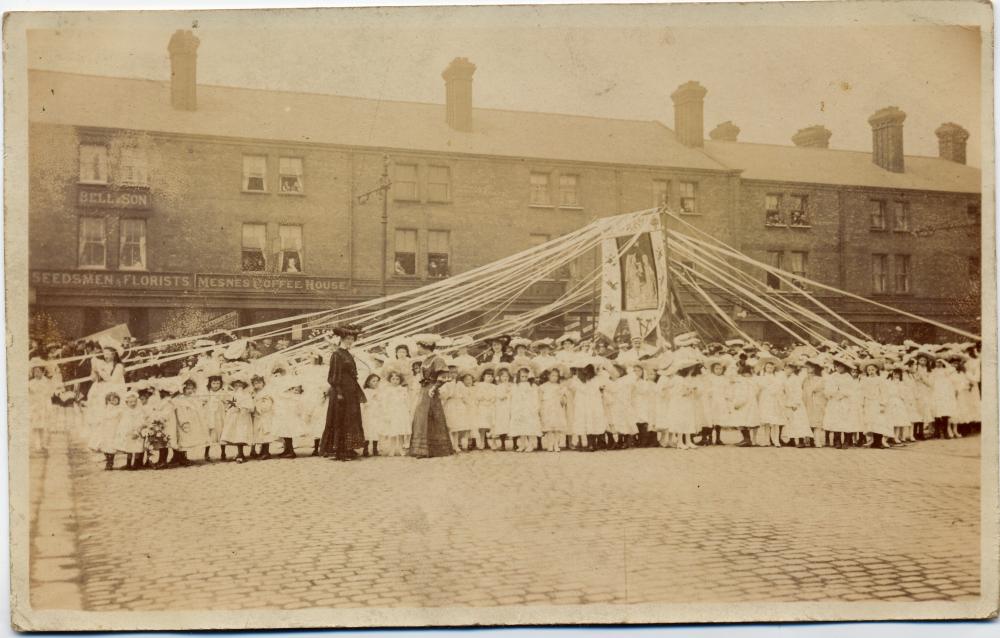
{"points": [[831, 166], [87, 100]]}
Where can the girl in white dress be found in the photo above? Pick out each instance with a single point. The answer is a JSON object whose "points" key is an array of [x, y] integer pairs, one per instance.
{"points": [[484, 396], [665, 383], [192, 432], [104, 437], [501, 413], [453, 399], [744, 405], [214, 411], [263, 415], [392, 396], [874, 401], [618, 408], [717, 401], [552, 409], [42, 411], [237, 426], [967, 395], [944, 398], [371, 415], [797, 431], [898, 412], [644, 393], [686, 412], [525, 425], [815, 401], [290, 415], [920, 370], [770, 402], [129, 433], [588, 407], [107, 374], [840, 389]]}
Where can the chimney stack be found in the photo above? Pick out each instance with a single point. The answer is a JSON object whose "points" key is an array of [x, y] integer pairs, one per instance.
{"points": [[689, 113], [725, 132], [458, 93], [887, 138], [815, 136], [951, 142], [183, 48]]}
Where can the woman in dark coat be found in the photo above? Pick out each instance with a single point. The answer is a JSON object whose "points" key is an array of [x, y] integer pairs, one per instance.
{"points": [[429, 435], [343, 432]]}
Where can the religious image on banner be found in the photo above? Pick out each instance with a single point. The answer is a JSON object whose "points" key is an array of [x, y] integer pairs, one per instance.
{"points": [[638, 274], [634, 278]]}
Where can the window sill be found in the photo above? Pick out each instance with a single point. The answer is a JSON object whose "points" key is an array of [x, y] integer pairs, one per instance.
{"points": [[125, 269], [248, 192], [405, 277], [692, 213], [766, 225], [566, 207], [93, 267], [541, 205], [254, 272], [406, 200], [873, 229], [800, 225], [903, 231], [292, 193], [83, 183]]}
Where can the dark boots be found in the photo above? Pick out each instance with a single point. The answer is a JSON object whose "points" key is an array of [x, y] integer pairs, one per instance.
{"points": [[109, 462], [315, 451], [265, 451], [747, 441], [288, 452]]}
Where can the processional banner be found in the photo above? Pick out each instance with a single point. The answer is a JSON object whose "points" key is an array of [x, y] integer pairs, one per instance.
{"points": [[634, 278]]}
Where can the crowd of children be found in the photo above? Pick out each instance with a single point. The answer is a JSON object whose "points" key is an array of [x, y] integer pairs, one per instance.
{"points": [[521, 395]]}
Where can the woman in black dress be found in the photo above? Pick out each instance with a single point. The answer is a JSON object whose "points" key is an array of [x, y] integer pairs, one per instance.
{"points": [[429, 435], [343, 432]]}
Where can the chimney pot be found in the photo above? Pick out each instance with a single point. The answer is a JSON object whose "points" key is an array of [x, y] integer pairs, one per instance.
{"points": [[689, 113], [887, 138], [458, 94], [183, 49], [815, 136], [725, 132], [951, 142]]}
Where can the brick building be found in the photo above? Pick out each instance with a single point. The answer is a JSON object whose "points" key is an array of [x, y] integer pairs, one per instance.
{"points": [[149, 198]]}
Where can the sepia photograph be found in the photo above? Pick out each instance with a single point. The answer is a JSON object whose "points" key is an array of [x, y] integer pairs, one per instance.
{"points": [[501, 315]]}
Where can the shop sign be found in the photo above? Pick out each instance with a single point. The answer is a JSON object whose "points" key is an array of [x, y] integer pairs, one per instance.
{"points": [[273, 283], [102, 197], [89, 279]]}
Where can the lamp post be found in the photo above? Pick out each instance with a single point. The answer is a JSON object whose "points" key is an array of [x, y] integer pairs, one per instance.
{"points": [[383, 190]]}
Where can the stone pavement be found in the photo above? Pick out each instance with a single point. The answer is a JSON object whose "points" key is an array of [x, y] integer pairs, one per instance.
{"points": [[652, 525]]}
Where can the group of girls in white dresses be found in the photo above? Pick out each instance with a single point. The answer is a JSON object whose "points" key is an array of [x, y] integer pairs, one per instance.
{"points": [[542, 396]]}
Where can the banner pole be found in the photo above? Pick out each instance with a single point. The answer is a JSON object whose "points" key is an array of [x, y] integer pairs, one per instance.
{"points": [[666, 275]]}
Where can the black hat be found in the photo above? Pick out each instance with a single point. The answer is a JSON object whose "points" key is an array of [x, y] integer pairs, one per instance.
{"points": [[347, 330]]}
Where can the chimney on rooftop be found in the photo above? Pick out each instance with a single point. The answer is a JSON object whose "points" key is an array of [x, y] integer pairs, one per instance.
{"points": [[725, 132], [951, 142], [183, 48], [458, 93], [689, 113], [887, 138], [813, 137]]}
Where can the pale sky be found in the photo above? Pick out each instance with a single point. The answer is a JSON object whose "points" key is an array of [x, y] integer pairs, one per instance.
{"points": [[769, 80]]}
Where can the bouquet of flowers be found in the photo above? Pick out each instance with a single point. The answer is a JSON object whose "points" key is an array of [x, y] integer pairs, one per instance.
{"points": [[155, 434]]}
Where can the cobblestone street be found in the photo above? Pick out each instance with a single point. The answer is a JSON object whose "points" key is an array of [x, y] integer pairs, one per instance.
{"points": [[719, 524]]}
